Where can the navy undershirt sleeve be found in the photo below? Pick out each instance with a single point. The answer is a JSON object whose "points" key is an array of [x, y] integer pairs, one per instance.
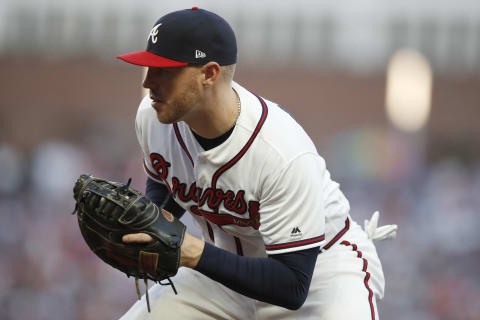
{"points": [[159, 195], [281, 279]]}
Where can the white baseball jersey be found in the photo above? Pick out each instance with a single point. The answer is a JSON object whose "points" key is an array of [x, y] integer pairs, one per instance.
{"points": [[265, 190]]}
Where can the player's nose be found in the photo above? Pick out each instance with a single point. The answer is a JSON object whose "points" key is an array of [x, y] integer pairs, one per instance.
{"points": [[147, 82], [153, 78]]}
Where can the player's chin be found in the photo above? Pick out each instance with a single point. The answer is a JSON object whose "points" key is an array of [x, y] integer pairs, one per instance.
{"points": [[165, 118], [158, 105]]}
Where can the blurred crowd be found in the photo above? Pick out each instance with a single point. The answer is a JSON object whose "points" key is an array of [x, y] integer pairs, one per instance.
{"points": [[431, 269], [49, 272]]}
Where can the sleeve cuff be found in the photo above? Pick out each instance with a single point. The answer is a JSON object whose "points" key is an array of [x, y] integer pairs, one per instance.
{"points": [[294, 245]]}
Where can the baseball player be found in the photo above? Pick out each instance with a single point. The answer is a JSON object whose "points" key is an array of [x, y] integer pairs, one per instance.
{"points": [[278, 240]]}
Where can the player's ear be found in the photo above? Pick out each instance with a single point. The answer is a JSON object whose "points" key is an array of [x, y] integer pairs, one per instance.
{"points": [[210, 73]]}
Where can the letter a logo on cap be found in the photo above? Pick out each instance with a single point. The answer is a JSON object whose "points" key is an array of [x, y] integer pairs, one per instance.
{"points": [[153, 33]]}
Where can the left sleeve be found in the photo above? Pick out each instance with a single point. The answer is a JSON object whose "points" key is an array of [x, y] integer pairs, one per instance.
{"points": [[292, 213], [158, 193], [282, 279]]}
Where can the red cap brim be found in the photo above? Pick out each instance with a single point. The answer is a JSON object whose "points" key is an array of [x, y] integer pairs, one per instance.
{"points": [[148, 59]]}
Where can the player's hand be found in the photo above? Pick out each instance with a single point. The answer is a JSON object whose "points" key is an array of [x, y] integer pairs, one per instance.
{"points": [[137, 238], [191, 250]]}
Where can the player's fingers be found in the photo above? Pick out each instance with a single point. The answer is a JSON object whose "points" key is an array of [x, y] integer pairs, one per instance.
{"points": [[137, 238]]}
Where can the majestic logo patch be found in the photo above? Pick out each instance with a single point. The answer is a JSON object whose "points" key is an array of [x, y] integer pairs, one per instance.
{"points": [[153, 33], [167, 215], [296, 233], [199, 54]]}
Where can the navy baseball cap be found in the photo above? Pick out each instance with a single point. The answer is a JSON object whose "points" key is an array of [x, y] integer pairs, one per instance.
{"points": [[187, 37]]}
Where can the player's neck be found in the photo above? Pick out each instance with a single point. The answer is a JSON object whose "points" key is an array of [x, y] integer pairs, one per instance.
{"points": [[217, 116]]}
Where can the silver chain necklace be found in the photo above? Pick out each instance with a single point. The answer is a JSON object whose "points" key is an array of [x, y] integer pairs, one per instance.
{"points": [[239, 107]]}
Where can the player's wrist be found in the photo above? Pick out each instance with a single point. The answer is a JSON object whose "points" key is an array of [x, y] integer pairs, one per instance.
{"points": [[191, 251]]}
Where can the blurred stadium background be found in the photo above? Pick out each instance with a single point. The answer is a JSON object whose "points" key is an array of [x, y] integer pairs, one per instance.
{"points": [[388, 90]]}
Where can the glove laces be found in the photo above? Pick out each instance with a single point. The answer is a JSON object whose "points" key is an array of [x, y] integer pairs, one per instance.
{"points": [[374, 232], [145, 280]]}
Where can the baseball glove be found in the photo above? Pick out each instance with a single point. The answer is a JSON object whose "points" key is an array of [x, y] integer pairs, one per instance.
{"points": [[108, 210]]}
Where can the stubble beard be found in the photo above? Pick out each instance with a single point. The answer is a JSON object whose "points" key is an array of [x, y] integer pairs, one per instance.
{"points": [[169, 114], [180, 108]]}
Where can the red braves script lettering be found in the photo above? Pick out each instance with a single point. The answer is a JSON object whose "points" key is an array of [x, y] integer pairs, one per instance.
{"points": [[213, 198], [159, 165]]}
